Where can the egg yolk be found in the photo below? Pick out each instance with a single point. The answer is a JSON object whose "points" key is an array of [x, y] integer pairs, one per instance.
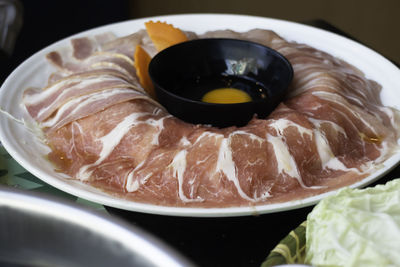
{"points": [[226, 96]]}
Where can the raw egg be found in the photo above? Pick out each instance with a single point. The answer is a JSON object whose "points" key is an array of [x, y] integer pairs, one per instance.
{"points": [[221, 89], [226, 96]]}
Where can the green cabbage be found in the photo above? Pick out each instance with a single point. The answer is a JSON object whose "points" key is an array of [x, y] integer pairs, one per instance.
{"points": [[356, 227]]}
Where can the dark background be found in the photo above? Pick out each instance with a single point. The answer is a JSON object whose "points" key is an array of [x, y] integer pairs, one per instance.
{"points": [[375, 23], [45, 22]]}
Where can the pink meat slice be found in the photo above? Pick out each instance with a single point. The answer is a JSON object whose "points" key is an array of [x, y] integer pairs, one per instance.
{"points": [[331, 131], [41, 104]]}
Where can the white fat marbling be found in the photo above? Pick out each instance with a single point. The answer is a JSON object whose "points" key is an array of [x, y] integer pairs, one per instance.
{"points": [[285, 161], [328, 159], [134, 184], [227, 166], [281, 124], [109, 142], [178, 166], [252, 136], [37, 98], [45, 93], [83, 101], [318, 123], [159, 125], [332, 97]]}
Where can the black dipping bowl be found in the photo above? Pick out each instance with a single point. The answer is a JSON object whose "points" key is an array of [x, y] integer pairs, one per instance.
{"points": [[183, 72]]}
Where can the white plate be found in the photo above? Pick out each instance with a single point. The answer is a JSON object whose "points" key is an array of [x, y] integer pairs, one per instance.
{"points": [[25, 148]]}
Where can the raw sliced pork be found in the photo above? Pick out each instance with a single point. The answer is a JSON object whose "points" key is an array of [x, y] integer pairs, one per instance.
{"points": [[103, 129]]}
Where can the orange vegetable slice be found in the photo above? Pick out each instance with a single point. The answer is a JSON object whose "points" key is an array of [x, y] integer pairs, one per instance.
{"points": [[142, 60], [164, 35]]}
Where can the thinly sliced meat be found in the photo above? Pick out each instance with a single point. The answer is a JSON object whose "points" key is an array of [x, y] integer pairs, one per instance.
{"points": [[42, 104], [86, 138], [126, 45], [331, 131], [88, 104], [82, 47], [97, 60]]}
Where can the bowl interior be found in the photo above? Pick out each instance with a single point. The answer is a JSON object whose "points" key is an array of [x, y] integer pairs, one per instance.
{"points": [[40, 231], [183, 73]]}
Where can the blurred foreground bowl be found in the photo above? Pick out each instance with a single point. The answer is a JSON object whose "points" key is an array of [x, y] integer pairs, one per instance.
{"points": [[37, 231]]}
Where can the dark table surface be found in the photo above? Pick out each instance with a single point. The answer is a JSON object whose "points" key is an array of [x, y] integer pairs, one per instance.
{"points": [[227, 241]]}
